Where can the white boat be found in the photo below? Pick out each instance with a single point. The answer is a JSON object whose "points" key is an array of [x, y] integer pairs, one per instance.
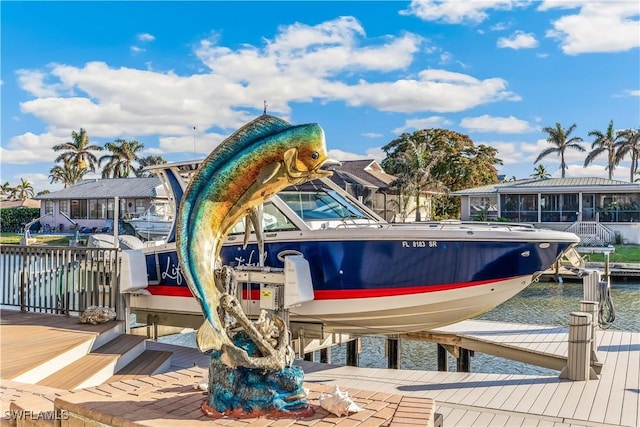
{"points": [[155, 222], [369, 276]]}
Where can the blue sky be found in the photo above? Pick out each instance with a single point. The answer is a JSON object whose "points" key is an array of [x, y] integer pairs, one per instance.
{"points": [[496, 70]]}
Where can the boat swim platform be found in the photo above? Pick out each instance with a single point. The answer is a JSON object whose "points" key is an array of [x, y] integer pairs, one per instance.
{"points": [[463, 399]]}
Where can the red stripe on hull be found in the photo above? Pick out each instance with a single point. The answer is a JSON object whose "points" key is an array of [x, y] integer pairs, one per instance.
{"points": [[392, 292], [183, 291], [170, 291]]}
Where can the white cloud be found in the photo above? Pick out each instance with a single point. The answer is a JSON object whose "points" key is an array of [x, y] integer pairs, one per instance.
{"points": [[486, 123], [136, 50], [145, 37], [372, 135], [426, 123], [329, 62], [518, 40], [457, 11], [599, 26], [375, 153]]}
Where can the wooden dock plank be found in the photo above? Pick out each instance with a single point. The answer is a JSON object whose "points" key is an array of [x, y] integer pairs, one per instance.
{"points": [[616, 395], [631, 401], [606, 383], [29, 334], [500, 399]]}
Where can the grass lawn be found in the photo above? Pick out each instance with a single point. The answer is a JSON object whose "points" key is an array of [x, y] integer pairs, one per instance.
{"points": [[623, 253], [41, 239]]}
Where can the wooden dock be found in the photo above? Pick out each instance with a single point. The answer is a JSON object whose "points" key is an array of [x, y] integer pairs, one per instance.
{"points": [[390, 397]]}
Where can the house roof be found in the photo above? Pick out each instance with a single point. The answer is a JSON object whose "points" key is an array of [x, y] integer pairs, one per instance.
{"points": [[365, 172], [26, 203], [109, 188], [553, 185]]}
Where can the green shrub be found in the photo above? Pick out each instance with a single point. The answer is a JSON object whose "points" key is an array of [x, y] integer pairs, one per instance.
{"points": [[14, 219]]}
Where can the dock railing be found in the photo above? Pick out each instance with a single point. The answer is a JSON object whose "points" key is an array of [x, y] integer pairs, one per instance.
{"points": [[59, 279]]}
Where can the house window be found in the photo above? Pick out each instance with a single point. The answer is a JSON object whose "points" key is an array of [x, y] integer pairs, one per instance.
{"points": [[110, 207], [48, 207], [78, 209], [140, 206], [519, 207], [618, 207], [63, 206], [559, 207], [97, 208], [480, 206]]}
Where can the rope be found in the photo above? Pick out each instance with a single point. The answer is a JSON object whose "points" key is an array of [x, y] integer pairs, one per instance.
{"points": [[606, 310]]}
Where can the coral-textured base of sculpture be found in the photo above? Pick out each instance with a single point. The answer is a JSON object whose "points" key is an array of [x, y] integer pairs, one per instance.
{"points": [[247, 393]]}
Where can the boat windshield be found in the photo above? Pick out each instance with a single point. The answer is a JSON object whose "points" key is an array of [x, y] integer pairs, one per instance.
{"points": [[321, 206]]}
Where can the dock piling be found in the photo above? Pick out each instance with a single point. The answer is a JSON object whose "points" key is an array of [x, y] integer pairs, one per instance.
{"points": [[579, 355]]}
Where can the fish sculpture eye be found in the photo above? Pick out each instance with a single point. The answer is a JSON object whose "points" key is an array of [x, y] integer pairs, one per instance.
{"points": [[315, 155]]}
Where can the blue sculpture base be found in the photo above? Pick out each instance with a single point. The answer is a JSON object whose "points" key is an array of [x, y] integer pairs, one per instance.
{"points": [[245, 393]]}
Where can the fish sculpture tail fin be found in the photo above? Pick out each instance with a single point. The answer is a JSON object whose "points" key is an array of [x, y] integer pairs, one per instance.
{"points": [[207, 338]]}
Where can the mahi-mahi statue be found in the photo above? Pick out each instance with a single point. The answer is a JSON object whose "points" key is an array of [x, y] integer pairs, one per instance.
{"points": [[258, 160]]}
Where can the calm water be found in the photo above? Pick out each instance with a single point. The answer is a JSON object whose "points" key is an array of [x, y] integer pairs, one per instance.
{"points": [[544, 303]]}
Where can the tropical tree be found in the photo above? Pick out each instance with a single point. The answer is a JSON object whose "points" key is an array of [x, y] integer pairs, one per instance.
{"points": [[148, 161], [561, 141], [24, 190], [629, 144], [540, 172], [605, 142], [439, 159], [119, 163], [413, 176], [78, 151], [68, 173], [7, 190]]}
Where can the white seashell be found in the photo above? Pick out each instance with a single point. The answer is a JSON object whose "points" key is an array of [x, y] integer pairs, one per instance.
{"points": [[338, 403], [201, 386]]}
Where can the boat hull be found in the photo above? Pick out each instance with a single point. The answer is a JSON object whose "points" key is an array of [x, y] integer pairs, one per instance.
{"points": [[387, 285]]}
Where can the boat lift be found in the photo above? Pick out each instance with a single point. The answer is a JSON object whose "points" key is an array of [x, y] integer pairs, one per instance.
{"points": [[26, 239], [280, 290]]}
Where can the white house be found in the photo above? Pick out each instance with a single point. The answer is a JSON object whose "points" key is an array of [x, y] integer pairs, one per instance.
{"points": [[559, 203]]}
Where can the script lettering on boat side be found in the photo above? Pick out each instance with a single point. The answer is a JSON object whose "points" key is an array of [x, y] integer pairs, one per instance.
{"points": [[420, 244], [173, 272]]}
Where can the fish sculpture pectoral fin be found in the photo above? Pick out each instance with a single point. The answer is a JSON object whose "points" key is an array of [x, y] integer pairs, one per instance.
{"points": [[268, 173]]}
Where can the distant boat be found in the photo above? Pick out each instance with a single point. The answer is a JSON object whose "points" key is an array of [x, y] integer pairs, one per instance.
{"points": [[155, 222], [369, 276]]}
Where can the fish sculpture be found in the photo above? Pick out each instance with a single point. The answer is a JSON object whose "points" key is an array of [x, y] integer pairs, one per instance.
{"points": [[255, 162]]}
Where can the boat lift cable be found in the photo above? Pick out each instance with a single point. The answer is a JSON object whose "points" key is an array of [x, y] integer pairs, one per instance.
{"points": [[606, 310]]}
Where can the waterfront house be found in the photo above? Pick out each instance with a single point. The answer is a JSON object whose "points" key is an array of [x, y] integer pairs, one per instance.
{"points": [[370, 184], [91, 202], [607, 209]]}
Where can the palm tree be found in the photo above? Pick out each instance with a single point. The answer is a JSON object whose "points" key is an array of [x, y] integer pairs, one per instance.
{"points": [[78, 151], [540, 172], [559, 137], [7, 190], [604, 142], [24, 190], [68, 173], [120, 162], [415, 177], [629, 143]]}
